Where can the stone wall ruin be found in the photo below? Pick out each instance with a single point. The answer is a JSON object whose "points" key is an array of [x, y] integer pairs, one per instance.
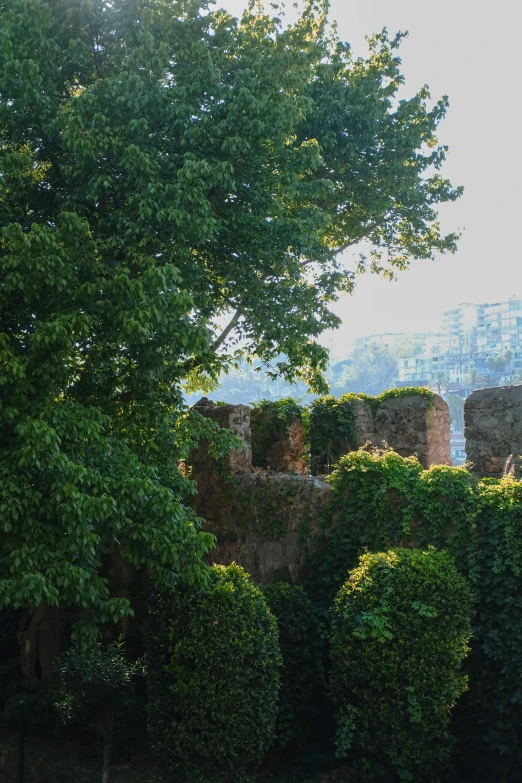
{"points": [[262, 518]]}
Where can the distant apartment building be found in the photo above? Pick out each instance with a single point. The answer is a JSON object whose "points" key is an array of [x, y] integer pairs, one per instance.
{"points": [[471, 334], [458, 448], [395, 341]]}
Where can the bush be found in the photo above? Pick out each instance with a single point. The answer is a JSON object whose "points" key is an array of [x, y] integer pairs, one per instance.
{"points": [[400, 628], [213, 666], [95, 684], [300, 653]]}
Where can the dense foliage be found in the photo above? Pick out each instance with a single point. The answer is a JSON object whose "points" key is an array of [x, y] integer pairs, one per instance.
{"points": [[494, 562], [381, 500], [163, 164], [332, 423], [213, 666], [400, 629], [31, 702], [332, 431], [298, 641]]}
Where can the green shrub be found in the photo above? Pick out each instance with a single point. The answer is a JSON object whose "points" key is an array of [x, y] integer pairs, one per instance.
{"points": [[300, 653], [95, 684], [400, 628], [213, 665]]}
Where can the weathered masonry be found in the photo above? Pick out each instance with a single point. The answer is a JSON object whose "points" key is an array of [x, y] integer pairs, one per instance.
{"points": [[493, 430], [413, 425], [257, 516]]}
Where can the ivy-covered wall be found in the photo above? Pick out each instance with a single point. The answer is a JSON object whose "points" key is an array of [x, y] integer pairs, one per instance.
{"points": [[380, 501], [409, 420], [261, 519], [312, 532], [265, 522], [280, 436], [235, 418]]}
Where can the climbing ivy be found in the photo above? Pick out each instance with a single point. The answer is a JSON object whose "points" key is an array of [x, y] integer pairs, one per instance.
{"points": [[399, 394], [382, 501], [271, 421], [332, 430], [332, 423], [370, 510]]}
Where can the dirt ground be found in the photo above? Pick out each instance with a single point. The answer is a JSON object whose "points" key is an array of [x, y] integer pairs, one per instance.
{"points": [[52, 760], [48, 760]]}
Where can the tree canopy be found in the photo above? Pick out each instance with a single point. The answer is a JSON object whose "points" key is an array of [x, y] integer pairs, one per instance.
{"points": [[165, 167]]}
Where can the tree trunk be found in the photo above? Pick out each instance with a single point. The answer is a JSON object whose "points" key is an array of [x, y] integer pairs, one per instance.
{"points": [[39, 642], [107, 751]]}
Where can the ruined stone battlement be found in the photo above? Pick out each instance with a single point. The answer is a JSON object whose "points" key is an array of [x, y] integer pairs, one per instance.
{"points": [[410, 425], [262, 518]]}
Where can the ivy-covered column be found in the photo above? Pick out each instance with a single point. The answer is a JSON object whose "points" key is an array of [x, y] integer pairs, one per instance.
{"points": [[280, 436]]}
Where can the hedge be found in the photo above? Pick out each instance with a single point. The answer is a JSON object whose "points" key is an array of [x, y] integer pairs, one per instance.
{"points": [[400, 628], [213, 666]]}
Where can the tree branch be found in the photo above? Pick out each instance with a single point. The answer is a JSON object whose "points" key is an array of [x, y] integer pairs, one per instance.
{"points": [[226, 331], [352, 242], [192, 363], [344, 247]]}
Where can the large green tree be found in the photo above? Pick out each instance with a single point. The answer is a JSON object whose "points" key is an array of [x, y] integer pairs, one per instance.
{"points": [[163, 165]]}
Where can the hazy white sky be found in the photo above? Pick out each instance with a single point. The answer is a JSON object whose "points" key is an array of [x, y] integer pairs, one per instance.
{"points": [[469, 51]]}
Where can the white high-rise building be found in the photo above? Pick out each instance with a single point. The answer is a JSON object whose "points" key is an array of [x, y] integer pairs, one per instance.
{"points": [[471, 334]]}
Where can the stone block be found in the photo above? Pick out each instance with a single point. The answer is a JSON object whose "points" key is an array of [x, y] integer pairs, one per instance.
{"points": [[415, 425], [364, 425], [264, 522], [493, 430]]}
